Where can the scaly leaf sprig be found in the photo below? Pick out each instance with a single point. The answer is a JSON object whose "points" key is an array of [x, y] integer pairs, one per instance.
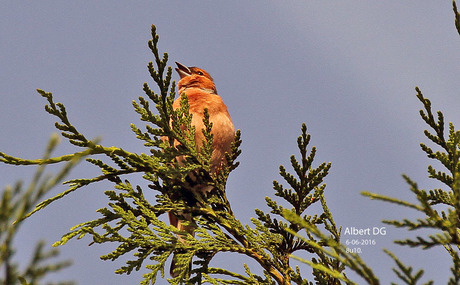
{"points": [[15, 203], [306, 188], [446, 219]]}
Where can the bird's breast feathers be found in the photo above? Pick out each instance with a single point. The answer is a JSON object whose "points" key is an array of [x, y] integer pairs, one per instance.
{"points": [[199, 100]]}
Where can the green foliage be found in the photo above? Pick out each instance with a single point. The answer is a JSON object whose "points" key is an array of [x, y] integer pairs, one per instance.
{"points": [[306, 189], [134, 224], [405, 272], [333, 255], [440, 207], [444, 220], [15, 203]]}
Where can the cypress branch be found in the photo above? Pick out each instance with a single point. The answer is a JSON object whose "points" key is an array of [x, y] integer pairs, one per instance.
{"points": [[405, 272], [133, 223], [446, 222], [273, 238], [15, 203]]}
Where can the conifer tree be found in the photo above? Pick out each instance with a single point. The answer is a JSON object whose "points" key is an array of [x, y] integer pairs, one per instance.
{"points": [[445, 220], [441, 207], [132, 222], [273, 239], [15, 202]]}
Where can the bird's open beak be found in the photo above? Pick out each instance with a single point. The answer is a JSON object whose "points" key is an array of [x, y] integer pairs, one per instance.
{"points": [[183, 70]]}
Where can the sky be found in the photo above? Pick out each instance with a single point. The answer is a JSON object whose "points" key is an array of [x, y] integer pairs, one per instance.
{"points": [[347, 69]]}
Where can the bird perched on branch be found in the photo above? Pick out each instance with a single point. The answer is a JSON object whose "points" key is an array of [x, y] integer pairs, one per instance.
{"points": [[201, 92]]}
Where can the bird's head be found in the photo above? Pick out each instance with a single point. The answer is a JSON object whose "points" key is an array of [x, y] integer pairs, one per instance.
{"points": [[194, 77]]}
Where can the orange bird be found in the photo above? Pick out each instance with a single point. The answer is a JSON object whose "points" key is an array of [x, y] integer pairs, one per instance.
{"points": [[201, 92]]}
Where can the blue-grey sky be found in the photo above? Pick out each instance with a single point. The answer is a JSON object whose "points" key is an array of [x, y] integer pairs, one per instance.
{"points": [[346, 68]]}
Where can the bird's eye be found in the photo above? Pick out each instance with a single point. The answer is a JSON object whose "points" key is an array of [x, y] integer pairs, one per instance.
{"points": [[200, 73]]}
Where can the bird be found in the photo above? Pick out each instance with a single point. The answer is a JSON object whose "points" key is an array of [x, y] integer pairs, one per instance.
{"points": [[201, 92]]}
